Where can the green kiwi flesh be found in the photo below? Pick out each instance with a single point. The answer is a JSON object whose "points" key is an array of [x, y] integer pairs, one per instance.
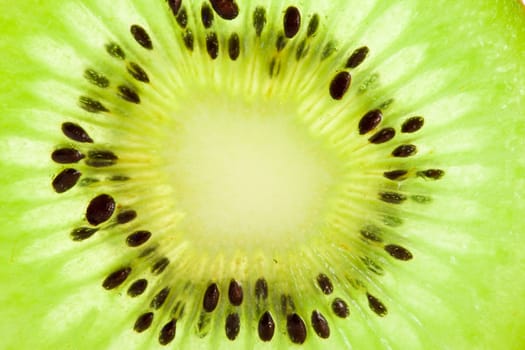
{"points": [[262, 174]]}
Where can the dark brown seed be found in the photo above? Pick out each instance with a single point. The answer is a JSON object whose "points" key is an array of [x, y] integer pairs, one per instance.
{"points": [[82, 233], [340, 308], [357, 57], [66, 156], [211, 298], [382, 136], [266, 327], [115, 51], [325, 284], [287, 303], [100, 209], [167, 333], [101, 158], [398, 252], [370, 121], [160, 298], [206, 15], [160, 266], [76, 133], [296, 328], [127, 94], [91, 105], [434, 174], [235, 293], [187, 37], [395, 174], [371, 233], [232, 326], [328, 50], [404, 151], [291, 21], [376, 305], [138, 287], [261, 289], [392, 197], [96, 78], [182, 18], [280, 43], [175, 6], [412, 124], [226, 9], [339, 85], [116, 278], [141, 36], [234, 48], [143, 322], [66, 180], [320, 325], [138, 72], [313, 25], [212, 45], [138, 238], [259, 20], [126, 216]]}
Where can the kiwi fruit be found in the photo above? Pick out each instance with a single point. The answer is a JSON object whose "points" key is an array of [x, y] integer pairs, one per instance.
{"points": [[262, 174]]}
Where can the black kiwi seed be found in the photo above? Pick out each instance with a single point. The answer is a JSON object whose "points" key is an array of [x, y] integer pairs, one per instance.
{"points": [[412, 124], [100, 209], [235, 293], [116, 278], [182, 18], [370, 121], [115, 51], [160, 298], [259, 20], [141, 36], [101, 158], [340, 84], [66, 180], [320, 324], [280, 42], [340, 308], [234, 46], [82, 233], [212, 45], [76, 133], [138, 287], [159, 266], [232, 326], [226, 9], [206, 15], [126, 216], [382, 136], [371, 233], [266, 327], [398, 252], [325, 284], [296, 328], [143, 322], [128, 94], [138, 72], [376, 305], [211, 298], [167, 333], [138, 238], [313, 25], [392, 197], [261, 289], [66, 156], [434, 174], [90, 105], [96, 78], [291, 21], [175, 6], [395, 174], [187, 37], [404, 151], [357, 57]]}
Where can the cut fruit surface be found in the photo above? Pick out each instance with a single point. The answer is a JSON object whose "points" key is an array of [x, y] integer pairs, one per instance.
{"points": [[262, 174]]}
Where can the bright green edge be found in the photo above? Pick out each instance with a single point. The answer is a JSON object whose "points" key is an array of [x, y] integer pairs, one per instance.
{"points": [[502, 288]]}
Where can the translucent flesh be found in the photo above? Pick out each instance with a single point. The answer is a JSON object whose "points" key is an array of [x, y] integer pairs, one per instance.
{"points": [[458, 65]]}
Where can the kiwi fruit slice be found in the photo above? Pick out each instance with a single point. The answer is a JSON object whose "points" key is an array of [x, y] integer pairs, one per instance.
{"points": [[274, 174]]}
